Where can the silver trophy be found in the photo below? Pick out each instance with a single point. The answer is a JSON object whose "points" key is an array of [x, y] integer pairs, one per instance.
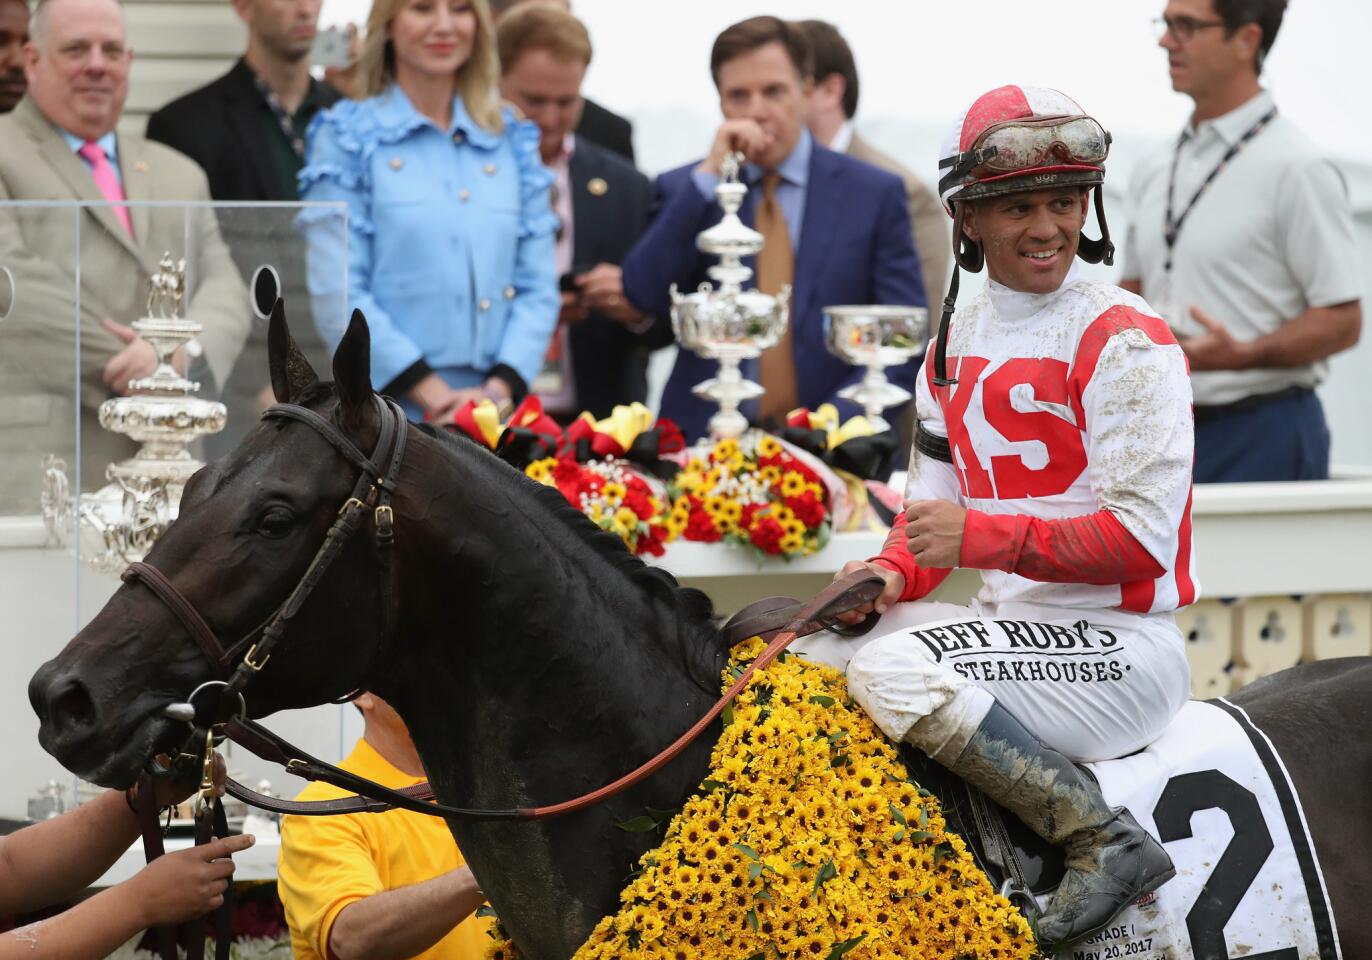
{"points": [[729, 324], [119, 523], [875, 337]]}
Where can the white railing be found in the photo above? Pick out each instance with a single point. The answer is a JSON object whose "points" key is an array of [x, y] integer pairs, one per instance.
{"points": [[1285, 571]]}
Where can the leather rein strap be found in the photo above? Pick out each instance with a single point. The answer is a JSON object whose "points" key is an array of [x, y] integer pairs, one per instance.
{"points": [[848, 593], [787, 619]]}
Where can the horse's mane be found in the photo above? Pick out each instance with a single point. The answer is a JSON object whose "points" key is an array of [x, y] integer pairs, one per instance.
{"points": [[692, 604]]}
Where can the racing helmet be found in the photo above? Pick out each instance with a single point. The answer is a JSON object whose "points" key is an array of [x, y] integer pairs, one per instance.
{"points": [[1011, 139]]}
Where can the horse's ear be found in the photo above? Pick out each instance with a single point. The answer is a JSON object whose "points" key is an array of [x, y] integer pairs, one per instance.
{"points": [[291, 372], [352, 375]]}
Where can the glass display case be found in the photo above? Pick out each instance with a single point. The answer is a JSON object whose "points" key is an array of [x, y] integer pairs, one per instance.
{"points": [[97, 437]]}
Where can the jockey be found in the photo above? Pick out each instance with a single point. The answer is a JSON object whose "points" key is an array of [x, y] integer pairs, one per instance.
{"points": [[1053, 453]]}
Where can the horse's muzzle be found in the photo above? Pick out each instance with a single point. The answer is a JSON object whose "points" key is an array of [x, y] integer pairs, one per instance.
{"points": [[67, 715]]}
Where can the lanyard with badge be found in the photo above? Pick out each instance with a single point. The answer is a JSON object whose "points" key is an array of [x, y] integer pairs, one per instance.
{"points": [[1173, 223]]}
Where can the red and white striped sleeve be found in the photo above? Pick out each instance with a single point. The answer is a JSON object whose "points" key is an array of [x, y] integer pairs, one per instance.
{"points": [[1131, 389]]}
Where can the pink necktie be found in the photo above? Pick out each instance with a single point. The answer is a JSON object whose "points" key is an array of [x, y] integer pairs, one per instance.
{"points": [[105, 180]]}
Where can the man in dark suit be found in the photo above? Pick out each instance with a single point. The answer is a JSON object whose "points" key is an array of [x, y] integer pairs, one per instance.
{"points": [[838, 230], [246, 130], [598, 357]]}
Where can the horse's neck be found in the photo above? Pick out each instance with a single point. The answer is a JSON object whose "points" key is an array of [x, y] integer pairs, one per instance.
{"points": [[564, 676]]}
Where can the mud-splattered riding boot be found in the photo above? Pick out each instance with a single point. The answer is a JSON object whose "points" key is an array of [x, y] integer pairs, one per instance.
{"points": [[1111, 860]]}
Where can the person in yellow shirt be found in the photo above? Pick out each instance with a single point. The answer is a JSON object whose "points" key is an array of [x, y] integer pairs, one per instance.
{"points": [[369, 886]]}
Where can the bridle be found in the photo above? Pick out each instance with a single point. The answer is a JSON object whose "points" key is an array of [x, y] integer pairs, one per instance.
{"points": [[238, 664]]}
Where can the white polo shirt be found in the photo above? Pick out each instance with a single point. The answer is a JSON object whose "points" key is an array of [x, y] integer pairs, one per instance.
{"points": [[1270, 237]]}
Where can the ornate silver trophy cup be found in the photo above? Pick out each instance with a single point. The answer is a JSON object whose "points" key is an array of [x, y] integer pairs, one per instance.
{"points": [[875, 337], [119, 523], [729, 324]]}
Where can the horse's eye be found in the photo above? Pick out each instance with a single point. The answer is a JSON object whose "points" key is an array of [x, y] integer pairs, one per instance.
{"points": [[276, 522]]}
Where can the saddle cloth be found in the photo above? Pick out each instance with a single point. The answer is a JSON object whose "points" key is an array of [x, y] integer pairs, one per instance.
{"points": [[1248, 885]]}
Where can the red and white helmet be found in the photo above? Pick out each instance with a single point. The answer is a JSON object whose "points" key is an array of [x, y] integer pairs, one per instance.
{"points": [[1018, 138], [1013, 139]]}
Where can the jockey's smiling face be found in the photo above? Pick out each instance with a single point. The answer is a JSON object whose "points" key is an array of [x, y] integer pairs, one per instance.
{"points": [[1030, 238]]}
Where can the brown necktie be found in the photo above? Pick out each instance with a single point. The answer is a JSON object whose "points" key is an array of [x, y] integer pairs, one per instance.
{"points": [[775, 269]]}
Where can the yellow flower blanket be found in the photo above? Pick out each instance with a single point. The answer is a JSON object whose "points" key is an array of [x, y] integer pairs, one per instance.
{"points": [[807, 841]]}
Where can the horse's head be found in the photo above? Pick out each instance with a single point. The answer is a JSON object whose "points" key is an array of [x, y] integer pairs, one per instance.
{"points": [[249, 526]]}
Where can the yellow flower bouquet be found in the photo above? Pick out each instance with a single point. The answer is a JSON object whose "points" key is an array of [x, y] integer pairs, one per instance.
{"points": [[807, 841]]}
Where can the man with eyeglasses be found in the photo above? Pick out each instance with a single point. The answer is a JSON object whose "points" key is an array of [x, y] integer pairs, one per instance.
{"points": [[1243, 239]]}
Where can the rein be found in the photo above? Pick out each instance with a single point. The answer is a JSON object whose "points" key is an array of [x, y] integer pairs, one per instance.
{"points": [[374, 490], [843, 595]]}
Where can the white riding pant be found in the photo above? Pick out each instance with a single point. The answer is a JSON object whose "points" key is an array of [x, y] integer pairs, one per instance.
{"points": [[1092, 684]]}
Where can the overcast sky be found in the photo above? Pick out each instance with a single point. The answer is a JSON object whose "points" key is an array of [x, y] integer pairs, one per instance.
{"points": [[921, 62]]}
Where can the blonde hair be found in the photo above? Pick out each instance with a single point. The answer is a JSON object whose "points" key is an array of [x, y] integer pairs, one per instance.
{"points": [[475, 80]]}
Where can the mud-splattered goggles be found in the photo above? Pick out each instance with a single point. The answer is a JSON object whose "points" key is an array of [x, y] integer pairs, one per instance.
{"points": [[1016, 146]]}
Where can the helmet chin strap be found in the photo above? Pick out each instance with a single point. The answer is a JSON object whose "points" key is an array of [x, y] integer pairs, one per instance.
{"points": [[967, 255], [1102, 250], [941, 341]]}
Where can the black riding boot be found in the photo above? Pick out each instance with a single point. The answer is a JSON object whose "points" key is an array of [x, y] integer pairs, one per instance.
{"points": [[1111, 860]]}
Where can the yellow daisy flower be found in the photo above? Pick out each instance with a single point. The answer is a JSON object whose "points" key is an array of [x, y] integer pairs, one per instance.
{"points": [[541, 470]]}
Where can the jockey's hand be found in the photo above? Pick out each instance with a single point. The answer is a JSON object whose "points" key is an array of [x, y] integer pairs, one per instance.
{"points": [[186, 884], [933, 530], [895, 586]]}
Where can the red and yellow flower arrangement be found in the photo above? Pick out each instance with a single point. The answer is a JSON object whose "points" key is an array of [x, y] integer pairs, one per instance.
{"points": [[751, 491], [589, 462], [754, 491], [615, 497]]}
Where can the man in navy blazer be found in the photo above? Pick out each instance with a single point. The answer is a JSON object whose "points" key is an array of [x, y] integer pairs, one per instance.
{"points": [[602, 204], [848, 222]]}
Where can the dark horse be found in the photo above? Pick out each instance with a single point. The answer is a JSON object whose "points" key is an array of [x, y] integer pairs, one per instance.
{"points": [[532, 657]]}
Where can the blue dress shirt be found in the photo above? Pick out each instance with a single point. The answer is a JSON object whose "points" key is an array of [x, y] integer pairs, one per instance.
{"points": [[106, 143]]}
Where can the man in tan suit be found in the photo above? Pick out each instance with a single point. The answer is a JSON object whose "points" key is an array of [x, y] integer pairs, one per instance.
{"points": [[829, 114], [60, 145]]}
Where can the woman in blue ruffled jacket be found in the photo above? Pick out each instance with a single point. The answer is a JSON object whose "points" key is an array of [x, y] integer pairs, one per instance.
{"points": [[449, 244]]}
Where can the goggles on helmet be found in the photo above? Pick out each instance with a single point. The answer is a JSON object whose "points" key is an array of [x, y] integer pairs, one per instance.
{"points": [[1017, 146]]}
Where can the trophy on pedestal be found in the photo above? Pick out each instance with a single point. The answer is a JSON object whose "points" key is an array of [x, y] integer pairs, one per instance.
{"points": [[119, 523], [729, 324], [875, 337]]}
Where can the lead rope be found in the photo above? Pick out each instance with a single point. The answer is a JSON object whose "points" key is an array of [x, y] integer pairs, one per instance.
{"points": [[210, 822]]}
